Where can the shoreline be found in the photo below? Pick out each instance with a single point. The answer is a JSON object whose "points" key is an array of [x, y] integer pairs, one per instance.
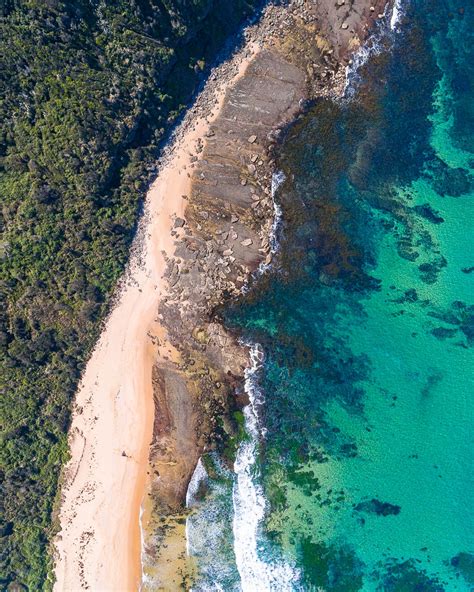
{"points": [[104, 463], [175, 369], [113, 408], [226, 239]]}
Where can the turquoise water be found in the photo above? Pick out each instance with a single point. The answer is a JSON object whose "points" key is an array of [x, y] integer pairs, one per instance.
{"points": [[364, 447]]}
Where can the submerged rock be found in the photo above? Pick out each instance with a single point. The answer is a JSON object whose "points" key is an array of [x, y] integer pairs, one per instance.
{"points": [[375, 506]]}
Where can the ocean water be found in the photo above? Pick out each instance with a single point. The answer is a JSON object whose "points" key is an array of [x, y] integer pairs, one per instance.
{"points": [[358, 469]]}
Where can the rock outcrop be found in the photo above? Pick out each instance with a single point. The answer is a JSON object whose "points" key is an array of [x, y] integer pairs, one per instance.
{"points": [[304, 49]]}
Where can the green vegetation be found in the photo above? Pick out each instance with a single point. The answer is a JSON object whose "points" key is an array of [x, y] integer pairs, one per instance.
{"points": [[233, 439], [89, 89]]}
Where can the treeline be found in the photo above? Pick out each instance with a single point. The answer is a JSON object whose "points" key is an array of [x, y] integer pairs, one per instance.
{"points": [[88, 90]]}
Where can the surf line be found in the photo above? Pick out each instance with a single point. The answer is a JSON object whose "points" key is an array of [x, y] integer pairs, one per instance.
{"points": [[380, 40], [257, 570]]}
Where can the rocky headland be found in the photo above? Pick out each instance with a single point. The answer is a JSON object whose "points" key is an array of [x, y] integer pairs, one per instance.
{"points": [[297, 52]]}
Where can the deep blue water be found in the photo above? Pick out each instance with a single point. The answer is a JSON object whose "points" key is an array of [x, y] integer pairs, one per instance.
{"points": [[362, 444]]}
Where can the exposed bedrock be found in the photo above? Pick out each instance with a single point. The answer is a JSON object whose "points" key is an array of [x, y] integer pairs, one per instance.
{"points": [[225, 235]]}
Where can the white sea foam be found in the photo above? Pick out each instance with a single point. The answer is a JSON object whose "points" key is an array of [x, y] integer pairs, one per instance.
{"points": [[372, 47], [199, 475], [375, 44], [396, 15], [278, 179], [257, 573]]}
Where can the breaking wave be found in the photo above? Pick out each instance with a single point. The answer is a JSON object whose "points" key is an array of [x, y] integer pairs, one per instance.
{"points": [[278, 179], [380, 40], [396, 15], [257, 570]]}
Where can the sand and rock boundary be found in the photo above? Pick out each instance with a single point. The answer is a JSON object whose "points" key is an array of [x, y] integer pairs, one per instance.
{"points": [[165, 376], [295, 54]]}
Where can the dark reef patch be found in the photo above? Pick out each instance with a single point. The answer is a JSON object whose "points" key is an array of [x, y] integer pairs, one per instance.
{"points": [[431, 382], [443, 332], [406, 577], [375, 506], [463, 563], [429, 271], [427, 212], [447, 181], [332, 568], [461, 319]]}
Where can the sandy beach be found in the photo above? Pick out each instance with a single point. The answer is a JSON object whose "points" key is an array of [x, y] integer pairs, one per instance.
{"points": [[99, 544]]}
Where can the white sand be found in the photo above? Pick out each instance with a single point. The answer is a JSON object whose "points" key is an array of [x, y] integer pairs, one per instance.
{"points": [[99, 545]]}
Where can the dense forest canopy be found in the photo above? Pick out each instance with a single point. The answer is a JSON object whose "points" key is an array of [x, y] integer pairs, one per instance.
{"points": [[88, 91]]}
